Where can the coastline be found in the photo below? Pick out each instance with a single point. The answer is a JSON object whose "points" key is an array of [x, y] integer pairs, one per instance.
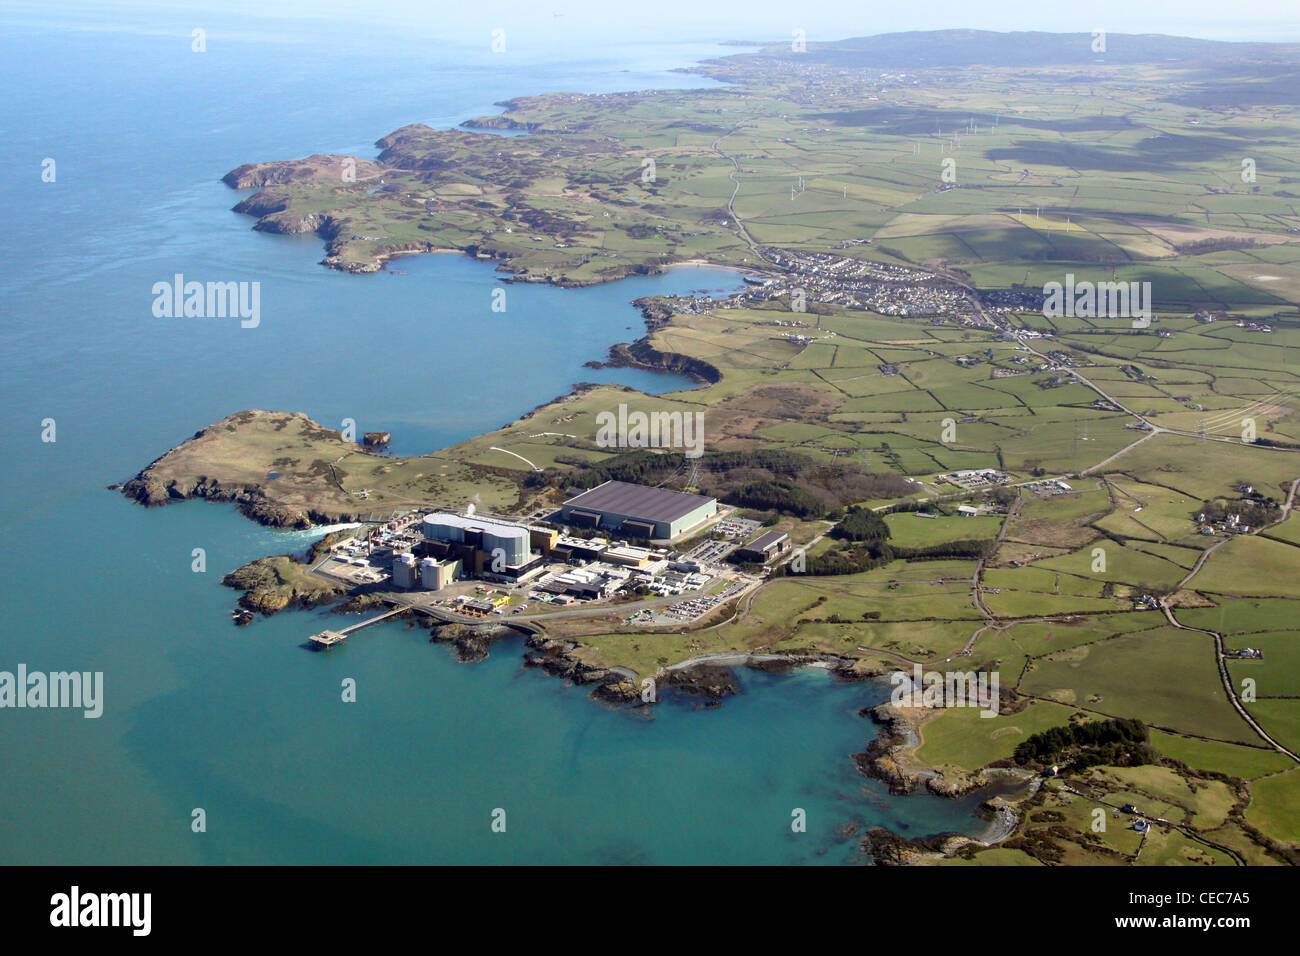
{"points": [[705, 263], [254, 504], [710, 679]]}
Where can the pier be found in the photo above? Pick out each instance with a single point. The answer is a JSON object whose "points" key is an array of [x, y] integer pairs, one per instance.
{"points": [[327, 639]]}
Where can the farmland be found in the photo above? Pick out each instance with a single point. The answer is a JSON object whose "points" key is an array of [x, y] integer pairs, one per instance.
{"points": [[1091, 577]]}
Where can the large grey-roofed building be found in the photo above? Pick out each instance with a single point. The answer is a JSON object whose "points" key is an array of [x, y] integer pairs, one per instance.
{"points": [[639, 511], [486, 533]]}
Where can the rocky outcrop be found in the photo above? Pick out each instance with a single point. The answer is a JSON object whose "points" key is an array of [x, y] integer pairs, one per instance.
{"points": [[182, 473], [361, 603], [287, 224], [557, 658], [264, 203], [313, 169], [500, 122], [703, 680], [417, 147], [335, 258], [376, 439], [471, 643], [887, 848], [954, 785], [266, 593], [146, 490], [252, 503], [621, 691], [890, 758], [655, 312], [641, 354]]}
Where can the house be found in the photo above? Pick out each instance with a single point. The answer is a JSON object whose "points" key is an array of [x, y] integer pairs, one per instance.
{"points": [[966, 511]]}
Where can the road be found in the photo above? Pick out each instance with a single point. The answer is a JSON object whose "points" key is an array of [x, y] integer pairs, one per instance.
{"points": [[1151, 427], [734, 176], [978, 578], [1228, 687], [1221, 657], [520, 457]]}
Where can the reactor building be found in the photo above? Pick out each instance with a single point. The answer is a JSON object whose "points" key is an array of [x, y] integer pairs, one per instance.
{"points": [[484, 547], [404, 570]]}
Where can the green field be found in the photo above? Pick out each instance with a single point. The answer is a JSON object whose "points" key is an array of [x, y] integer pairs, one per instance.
{"points": [[1162, 676]]}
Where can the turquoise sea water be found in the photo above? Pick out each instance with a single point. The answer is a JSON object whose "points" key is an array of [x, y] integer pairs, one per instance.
{"points": [[245, 723]]}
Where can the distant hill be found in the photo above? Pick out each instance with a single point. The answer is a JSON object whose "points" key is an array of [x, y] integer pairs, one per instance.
{"points": [[917, 50]]}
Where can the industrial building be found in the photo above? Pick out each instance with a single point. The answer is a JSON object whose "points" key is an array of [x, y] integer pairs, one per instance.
{"points": [[443, 547], [569, 548], [436, 575], [638, 511], [761, 549], [972, 478], [485, 547], [627, 555], [404, 570], [429, 574], [485, 534]]}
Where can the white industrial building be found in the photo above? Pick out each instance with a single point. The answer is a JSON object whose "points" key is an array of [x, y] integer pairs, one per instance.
{"points": [[485, 534]]}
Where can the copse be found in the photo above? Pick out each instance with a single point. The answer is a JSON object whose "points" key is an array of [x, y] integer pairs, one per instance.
{"points": [[772, 480], [1117, 742], [861, 524]]}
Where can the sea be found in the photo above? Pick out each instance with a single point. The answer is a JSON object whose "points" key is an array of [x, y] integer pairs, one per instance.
{"points": [[225, 745]]}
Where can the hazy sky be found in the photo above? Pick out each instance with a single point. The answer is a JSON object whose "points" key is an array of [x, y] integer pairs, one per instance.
{"points": [[464, 22]]}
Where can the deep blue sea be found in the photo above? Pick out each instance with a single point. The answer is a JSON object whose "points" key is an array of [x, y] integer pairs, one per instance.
{"points": [[244, 723]]}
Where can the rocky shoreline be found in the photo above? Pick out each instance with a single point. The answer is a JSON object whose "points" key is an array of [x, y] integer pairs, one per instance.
{"points": [[641, 354], [270, 209], [147, 490], [709, 680], [713, 679], [890, 758]]}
